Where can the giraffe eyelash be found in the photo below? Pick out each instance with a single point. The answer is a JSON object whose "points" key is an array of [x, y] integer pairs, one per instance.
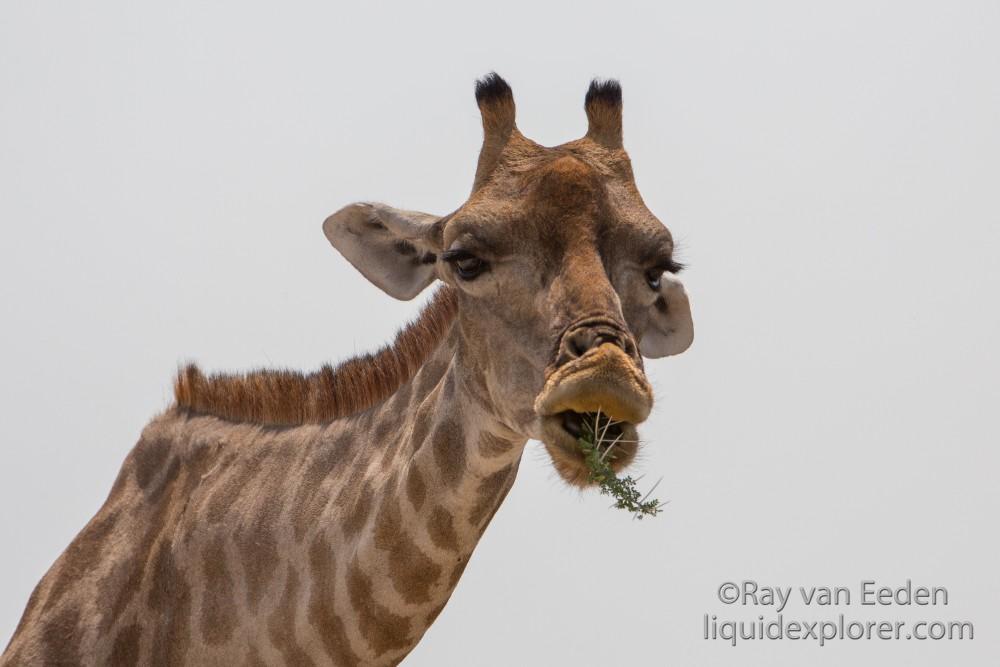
{"points": [[669, 265], [456, 255]]}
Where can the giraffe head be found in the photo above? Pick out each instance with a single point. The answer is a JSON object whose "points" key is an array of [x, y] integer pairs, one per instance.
{"points": [[565, 280]]}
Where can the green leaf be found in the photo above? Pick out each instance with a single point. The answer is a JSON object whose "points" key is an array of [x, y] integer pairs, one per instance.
{"points": [[598, 452]]}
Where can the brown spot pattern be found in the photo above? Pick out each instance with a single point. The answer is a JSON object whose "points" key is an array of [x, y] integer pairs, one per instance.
{"points": [[82, 556], [490, 494], [231, 480], [421, 426], [281, 625], [218, 607], [429, 375], [441, 528], [125, 650], [355, 518], [411, 571], [416, 489], [156, 489], [124, 580], [169, 599], [255, 540], [456, 572], [491, 446], [61, 638], [449, 451], [311, 497], [321, 612], [149, 457], [254, 659], [383, 630]]}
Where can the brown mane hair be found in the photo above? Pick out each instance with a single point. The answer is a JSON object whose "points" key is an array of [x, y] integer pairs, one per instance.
{"points": [[285, 397]]}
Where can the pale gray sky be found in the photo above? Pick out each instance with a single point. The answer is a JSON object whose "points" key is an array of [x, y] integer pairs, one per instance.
{"points": [[830, 168]]}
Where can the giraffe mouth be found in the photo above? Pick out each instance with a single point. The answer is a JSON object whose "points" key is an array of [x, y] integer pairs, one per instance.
{"points": [[604, 382], [564, 435]]}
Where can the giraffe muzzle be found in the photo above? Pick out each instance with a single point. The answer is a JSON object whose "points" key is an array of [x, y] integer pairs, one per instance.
{"points": [[603, 382]]}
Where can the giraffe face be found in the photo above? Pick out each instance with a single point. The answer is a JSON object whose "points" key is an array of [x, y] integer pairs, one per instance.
{"points": [[565, 279]]}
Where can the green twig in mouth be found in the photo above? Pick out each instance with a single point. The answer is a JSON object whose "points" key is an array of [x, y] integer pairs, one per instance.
{"points": [[597, 449]]}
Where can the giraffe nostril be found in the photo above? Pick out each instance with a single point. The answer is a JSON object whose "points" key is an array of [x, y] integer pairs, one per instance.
{"points": [[589, 336], [580, 342], [584, 340], [608, 338]]}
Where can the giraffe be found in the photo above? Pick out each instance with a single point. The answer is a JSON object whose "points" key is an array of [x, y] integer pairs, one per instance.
{"points": [[276, 517]]}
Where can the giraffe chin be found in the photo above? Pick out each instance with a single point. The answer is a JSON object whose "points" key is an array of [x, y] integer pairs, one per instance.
{"points": [[605, 381], [567, 457]]}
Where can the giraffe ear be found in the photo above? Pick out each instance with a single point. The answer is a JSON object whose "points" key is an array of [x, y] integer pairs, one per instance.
{"points": [[670, 329], [394, 249]]}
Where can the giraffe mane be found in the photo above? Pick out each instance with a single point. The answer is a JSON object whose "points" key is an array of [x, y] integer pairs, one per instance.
{"points": [[286, 397]]}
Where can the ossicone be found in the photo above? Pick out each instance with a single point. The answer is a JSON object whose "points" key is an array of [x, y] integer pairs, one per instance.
{"points": [[496, 104], [603, 105]]}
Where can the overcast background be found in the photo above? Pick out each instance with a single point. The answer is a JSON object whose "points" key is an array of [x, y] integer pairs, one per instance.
{"points": [[831, 170]]}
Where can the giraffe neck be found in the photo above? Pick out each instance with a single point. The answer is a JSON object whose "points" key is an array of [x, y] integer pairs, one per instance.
{"points": [[440, 465], [233, 543]]}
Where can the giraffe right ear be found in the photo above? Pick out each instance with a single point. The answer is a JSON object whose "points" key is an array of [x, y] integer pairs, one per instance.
{"points": [[394, 249]]}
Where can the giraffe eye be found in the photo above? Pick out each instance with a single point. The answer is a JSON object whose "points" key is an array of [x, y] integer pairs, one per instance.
{"points": [[467, 266], [654, 276], [468, 269]]}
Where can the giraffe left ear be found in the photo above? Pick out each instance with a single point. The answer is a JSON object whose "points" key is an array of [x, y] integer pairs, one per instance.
{"points": [[394, 249], [670, 329]]}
